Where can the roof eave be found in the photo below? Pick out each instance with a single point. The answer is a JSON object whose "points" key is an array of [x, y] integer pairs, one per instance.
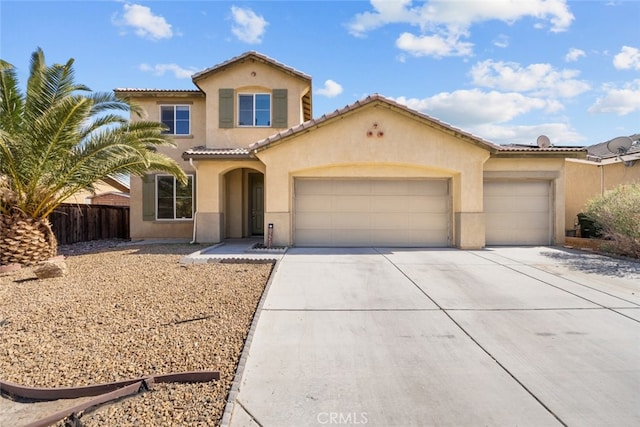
{"points": [[196, 156], [373, 101], [507, 154], [249, 56], [128, 93]]}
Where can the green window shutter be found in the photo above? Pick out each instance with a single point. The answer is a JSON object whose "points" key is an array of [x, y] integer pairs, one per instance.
{"points": [[225, 107], [149, 198], [279, 113]]}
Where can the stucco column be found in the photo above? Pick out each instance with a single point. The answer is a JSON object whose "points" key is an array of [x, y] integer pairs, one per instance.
{"points": [[278, 187], [469, 221]]}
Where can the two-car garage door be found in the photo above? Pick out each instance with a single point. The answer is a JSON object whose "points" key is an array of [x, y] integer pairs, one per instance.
{"points": [[372, 212]]}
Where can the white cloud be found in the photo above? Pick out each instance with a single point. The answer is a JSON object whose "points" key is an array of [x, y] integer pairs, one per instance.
{"points": [[466, 108], [248, 26], [435, 45], [628, 58], [620, 101], [538, 79], [502, 41], [558, 133], [574, 54], [443, 23], [161, 69], [144, 22], [331, 89]]}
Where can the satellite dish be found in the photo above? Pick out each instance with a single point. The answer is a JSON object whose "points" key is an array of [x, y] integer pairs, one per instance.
{"points": [[619, 145], [543, 141]]}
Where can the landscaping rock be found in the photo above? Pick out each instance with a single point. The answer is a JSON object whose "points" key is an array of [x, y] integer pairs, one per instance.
{"points": [[54, 267], [128, 312]]}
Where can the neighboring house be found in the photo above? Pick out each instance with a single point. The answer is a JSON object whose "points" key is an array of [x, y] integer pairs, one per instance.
{"points": [[372, 173], [110, 191], [602, 170]]}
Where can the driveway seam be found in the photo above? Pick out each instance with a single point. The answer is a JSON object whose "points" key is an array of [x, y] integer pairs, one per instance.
{"points": [[559, 288], [487, 352]]}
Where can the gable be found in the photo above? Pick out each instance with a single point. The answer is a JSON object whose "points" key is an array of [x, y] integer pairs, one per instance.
{"points": [[373, 135]]}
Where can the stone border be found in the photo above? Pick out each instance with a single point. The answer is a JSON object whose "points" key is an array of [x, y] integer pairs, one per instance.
{"points": [[235, 385], [261, 249]]}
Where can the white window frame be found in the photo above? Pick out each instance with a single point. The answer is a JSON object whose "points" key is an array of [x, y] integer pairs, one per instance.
{"points": [[175, 182], [254, 94], [175, 127]]}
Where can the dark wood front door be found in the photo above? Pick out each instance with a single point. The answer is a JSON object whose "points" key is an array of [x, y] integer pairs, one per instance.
{"points": [[256, 208]]}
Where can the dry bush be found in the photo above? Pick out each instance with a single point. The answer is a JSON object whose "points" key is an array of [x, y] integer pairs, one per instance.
{"points": [[618, 212]]}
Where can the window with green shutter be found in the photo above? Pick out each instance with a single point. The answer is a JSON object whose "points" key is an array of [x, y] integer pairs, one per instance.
{"points": [[279, 112], [148, 197], [164, 198], [225, 108]]}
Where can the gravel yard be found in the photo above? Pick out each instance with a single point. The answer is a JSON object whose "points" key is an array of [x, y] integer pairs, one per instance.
{"points": [[130, 311]]}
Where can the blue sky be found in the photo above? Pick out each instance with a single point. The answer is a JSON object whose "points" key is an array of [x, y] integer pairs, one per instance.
{"points": [[507, 71]]}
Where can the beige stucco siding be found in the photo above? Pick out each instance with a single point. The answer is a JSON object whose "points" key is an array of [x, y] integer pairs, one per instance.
{"points": [[151, 112], [160, 229], [376, 142], [221, 211], [586, 181], [249, 77]]}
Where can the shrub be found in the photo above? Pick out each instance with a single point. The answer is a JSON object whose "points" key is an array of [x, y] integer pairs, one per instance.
{"points": [[618, 211]]}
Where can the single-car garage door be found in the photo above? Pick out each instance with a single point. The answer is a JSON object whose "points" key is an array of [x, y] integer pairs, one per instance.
{"points": [[517, 212], [372, 212]]}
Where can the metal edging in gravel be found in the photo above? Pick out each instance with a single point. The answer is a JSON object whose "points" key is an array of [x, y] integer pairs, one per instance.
{"points": [[237, 379], [103, 393]]}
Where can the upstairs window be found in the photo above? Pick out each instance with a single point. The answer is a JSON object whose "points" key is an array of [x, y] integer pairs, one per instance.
{"points": [[254, 109], [174, 200], [177, 118]]}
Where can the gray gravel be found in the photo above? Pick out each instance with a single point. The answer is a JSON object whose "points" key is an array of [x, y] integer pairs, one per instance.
{"points": [[126, 312]]}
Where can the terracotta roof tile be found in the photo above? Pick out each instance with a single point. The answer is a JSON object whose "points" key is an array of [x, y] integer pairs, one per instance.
{"points": [[216, 153]]}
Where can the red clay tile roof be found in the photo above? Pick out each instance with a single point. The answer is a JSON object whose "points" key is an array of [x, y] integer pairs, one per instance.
{"points": [[216, 153], [162, 92]]}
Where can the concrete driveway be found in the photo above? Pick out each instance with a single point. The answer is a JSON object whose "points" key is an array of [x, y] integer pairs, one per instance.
{"points": [[498, 337]]}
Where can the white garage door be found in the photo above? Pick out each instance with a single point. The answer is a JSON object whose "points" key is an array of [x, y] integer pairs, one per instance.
{"points": [[517, 213], [371, 212]]}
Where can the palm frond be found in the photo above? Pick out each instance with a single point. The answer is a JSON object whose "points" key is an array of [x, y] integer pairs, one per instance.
{"points": [[11, 103], [62, 138]]}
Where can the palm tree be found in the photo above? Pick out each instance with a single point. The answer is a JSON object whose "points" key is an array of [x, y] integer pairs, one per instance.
{"points": [[56, 139]]}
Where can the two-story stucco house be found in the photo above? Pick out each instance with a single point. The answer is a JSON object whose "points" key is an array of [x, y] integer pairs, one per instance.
{"points": [[372, 173]]}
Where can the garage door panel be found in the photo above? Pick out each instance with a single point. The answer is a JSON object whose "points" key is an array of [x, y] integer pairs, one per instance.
{"points": [[349, 220], [313, 187], [352, 203], [429, 204], [314, 220], [389, 204], [390, 220], [314, 203], [431, 222], [361, 212], [517, 212]]}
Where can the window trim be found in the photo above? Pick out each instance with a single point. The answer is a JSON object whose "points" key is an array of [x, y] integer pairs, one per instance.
{"points": [[253, 95], [193, 189], [175, 127]]}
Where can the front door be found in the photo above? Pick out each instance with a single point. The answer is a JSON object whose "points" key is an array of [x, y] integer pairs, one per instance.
{"points": [[256, 208]]}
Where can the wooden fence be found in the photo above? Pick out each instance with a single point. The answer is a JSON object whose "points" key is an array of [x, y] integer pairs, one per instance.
{"points": [[73, 223]]}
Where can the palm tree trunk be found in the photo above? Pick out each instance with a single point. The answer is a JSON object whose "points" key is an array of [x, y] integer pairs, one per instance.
{"points": [[25, 240]]}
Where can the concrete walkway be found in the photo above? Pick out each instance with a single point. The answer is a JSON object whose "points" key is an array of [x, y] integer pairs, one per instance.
{"points": [[499, 337]]}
